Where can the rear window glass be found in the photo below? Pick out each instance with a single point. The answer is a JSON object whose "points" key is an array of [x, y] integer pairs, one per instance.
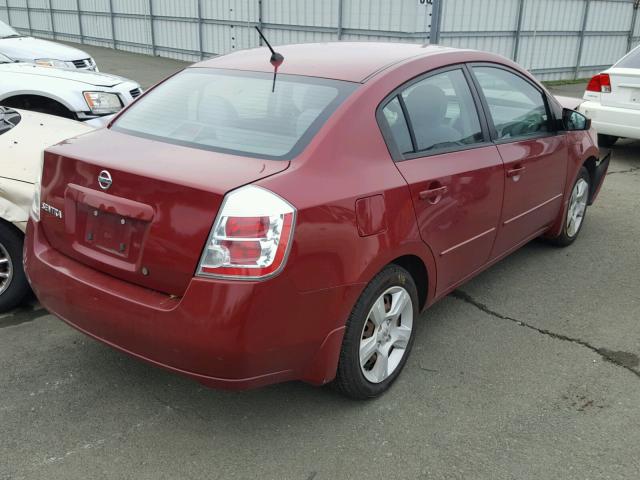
{"points": [[236, 112], [630, 60], [7, 31], [398, 126]]}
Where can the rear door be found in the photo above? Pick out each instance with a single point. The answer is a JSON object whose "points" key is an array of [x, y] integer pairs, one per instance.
{"points": [[534, 155], [441, 146]]}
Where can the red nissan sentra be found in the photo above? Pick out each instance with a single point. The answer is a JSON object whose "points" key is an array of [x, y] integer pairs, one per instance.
{"points": [[244, 232]]}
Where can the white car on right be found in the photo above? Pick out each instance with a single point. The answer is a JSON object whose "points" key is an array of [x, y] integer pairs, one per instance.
{"points": [[612, 100]]}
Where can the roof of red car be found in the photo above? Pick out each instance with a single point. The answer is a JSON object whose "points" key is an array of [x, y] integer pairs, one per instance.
{"points": [[350, 61]]}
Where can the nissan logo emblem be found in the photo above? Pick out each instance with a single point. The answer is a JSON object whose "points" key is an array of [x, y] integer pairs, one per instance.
{"points": [[104, 180]]}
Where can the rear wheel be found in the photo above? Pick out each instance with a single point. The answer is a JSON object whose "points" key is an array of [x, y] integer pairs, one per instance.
{"points": [[379, 335], [576, 211], [606, 140], [14, 287]]}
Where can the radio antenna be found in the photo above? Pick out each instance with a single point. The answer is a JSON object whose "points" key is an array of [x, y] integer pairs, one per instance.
{"points": [[276, 58]]}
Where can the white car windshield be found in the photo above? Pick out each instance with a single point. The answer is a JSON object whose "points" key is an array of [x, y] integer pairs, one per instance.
{"points": [[7, 32], [4, 59]]}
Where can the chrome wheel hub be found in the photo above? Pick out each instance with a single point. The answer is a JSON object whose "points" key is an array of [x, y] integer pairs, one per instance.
{"points": [[577, 207], [6, 269], [386, 334]]}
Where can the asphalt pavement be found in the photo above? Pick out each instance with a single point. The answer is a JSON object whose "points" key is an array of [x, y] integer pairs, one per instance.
{"points": [[529, 371]]}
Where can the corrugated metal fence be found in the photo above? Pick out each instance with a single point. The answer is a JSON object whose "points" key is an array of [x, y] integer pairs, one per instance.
{"points": [[554, 38]]}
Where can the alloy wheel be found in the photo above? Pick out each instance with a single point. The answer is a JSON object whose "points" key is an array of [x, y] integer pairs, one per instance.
{"points": [[6, 269], [577, 207], [386, 334]]}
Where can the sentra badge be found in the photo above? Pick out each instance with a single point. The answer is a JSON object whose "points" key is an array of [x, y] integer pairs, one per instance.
{"points": [[52, 210]]}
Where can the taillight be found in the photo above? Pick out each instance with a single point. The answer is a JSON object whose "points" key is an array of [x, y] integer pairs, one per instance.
{"points": [[600, 83], [251, 236], [35, 203]]}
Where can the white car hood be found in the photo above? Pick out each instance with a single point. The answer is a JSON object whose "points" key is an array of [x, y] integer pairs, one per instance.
{"points": [[29, 49], [22, 146], [83, 76]]}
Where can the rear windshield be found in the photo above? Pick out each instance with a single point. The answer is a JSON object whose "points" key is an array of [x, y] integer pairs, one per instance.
{"points": [[630, 60], [6, 31], [236, 112]]}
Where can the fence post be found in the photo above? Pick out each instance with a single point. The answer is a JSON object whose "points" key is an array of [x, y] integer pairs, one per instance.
{"points": [[260, 21], [516, 44], [80, 22], [29, 18], [113, 25], [53, 25], [8, 7], [340, 12], [153, 34], [434, 33], [585, 17], [634, 19], [200, 30]]}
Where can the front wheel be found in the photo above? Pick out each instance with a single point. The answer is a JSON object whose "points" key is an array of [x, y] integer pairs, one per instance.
{"points": [[379, 335], [14, 287], [576, 211]]}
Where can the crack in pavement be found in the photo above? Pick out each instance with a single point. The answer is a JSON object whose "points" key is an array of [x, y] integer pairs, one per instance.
{"points": [[615, 358], [632, 169]]}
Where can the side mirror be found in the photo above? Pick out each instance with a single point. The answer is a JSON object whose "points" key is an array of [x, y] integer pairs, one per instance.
{"points": [[574, 121]]}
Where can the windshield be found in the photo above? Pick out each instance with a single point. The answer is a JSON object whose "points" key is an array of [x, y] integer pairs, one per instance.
{"points": [[6, 31], [630, 60], [236, 112], [4, 59]]}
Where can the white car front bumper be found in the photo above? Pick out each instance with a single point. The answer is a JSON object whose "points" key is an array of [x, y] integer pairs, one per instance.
{"points": [[619, 122], [99, 122]]}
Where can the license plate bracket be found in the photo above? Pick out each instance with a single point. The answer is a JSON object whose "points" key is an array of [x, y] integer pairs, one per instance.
{"points": [[111, 233]]}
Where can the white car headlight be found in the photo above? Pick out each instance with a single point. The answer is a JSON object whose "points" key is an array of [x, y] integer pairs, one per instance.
{"points": [[102, 103], [50, 62]]}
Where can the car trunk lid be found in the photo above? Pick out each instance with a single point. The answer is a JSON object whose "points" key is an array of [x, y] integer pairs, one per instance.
{"points": [[148, 226], [625, 89]]}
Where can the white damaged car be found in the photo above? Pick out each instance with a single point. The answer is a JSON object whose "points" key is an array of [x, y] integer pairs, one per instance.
{"points": [[23, 138], [74, 94]]}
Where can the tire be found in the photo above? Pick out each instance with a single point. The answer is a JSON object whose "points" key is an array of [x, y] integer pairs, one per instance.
{"points": [[390, 339], [14, 289], [569, 230], [606, 140]]}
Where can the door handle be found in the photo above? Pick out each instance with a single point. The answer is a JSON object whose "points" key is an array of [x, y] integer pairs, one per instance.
{"points": [[433, 194], [514, 172]]}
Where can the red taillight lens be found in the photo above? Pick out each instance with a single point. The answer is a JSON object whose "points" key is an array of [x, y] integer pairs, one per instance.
{"points": [[247, 227], [251, 236], [600, 83]]}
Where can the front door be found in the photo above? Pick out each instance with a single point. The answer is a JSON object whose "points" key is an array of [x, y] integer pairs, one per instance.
{"points": [[534, 156], [454, 173]]}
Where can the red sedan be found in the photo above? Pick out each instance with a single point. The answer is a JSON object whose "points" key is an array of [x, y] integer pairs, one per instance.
{"points": [[245, 232]]}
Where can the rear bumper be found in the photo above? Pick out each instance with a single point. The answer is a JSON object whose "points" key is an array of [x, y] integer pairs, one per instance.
{"points": [[234, 335], [619, 122]]}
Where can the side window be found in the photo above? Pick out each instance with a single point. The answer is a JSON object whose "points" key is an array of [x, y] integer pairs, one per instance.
{"points": [[517, 107], [442, 112], [397, 124]]}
